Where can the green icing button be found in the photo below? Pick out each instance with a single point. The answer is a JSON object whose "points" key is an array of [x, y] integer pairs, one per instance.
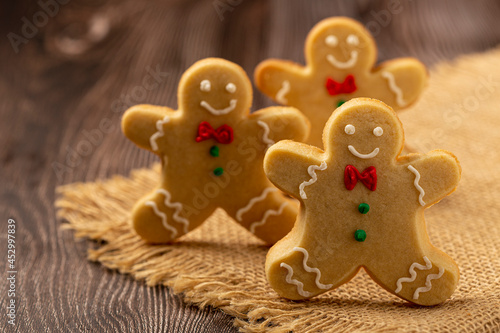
{"points": [[339, 103], [218, 171], [360, 235], [214, 151], [363, 208]]}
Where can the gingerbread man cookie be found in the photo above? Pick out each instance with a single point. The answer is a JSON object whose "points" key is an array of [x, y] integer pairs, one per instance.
{"points": [[212, 152], [340, 55], [362, 205]]}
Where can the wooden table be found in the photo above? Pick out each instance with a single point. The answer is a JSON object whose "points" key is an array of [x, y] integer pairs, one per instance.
{"points": [[65, 82]]}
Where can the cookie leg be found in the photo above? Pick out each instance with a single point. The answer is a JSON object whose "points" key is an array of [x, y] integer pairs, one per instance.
{"points": [[158, 218], [269, 216], [306, 270], [428, 278]]}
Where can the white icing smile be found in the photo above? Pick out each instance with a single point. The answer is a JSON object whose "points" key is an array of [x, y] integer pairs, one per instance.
{"points": [[365, 156], [219, 112], [346, 64]]}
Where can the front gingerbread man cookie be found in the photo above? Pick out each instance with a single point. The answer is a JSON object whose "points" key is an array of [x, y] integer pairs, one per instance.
{"points": [[212, 151], [362, 205], [340, 55]]}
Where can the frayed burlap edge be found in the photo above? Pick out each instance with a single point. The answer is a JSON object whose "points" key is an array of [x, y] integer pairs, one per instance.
{"points": [[99, 211], [221, 265]]}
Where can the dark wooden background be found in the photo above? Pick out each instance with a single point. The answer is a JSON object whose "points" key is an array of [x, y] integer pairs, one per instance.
{"points": [[84, 65]]}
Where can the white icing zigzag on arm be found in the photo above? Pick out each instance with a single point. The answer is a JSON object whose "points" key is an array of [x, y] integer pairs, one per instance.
{"points": [[417, 185], [394, 88], [266, 215], [285, 89], [163, 217], [159, 133], [428, 265], [265, 136], [253, 201], [178, 209], [311, 170], [289, 280], [312, 269], [428, 283]]}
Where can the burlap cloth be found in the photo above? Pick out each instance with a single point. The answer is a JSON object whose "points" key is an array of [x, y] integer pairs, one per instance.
{"points": [[222, 265]]}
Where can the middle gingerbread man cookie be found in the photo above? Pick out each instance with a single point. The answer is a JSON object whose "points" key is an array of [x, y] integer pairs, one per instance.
{"points": [[340, 55], [212, 154]]}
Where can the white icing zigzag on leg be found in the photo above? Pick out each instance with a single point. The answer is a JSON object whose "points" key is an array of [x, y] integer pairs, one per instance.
{"points": [[178, 209], [428, 265], [312, 269], [428, 283], [253, 201], [159, 133], [163, 217], [311, 170], [266, 215], [289, 280]]}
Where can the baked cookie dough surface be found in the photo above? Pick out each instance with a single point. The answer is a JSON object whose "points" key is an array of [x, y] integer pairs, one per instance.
{"points": [[362, 205], [212, 152]]}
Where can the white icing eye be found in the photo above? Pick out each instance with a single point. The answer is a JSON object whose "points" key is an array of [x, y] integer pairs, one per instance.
{"points": [[352, 40], [378, 131], [349, 129], [205, 85], [331, 40], [231, 87]]}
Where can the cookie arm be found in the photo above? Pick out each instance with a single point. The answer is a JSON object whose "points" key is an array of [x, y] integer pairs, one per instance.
{"points": [[286, 164], [280, 123], [434, 176], [405, 79], [277, 79], [140, 124]]}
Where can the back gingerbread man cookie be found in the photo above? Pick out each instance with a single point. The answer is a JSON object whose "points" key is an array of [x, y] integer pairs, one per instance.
{"points": [[362, 205], [340, 57], [212, 152]]}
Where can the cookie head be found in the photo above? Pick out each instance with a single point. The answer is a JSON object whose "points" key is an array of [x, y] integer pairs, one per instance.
{"points": [[340, 43], [215, 87], [364, 129]]}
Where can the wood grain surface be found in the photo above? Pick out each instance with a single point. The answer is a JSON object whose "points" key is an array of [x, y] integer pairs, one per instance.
{"points": [[65, 84]]}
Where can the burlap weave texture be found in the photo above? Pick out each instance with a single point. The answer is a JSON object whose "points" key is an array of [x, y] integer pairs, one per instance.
{"points": [[222, 265]]}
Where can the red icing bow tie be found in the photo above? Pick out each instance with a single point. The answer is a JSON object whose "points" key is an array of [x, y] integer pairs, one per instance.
{"points": [[336, 88], [223, 134], [368, 177]]}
